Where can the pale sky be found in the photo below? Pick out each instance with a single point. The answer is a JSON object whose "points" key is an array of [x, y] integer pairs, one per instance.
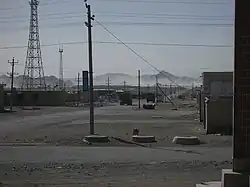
{"points": [[186, 22]]}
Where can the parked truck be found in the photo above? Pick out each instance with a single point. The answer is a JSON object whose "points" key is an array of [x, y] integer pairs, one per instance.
{"points": [[126, 98], [150, 97]]}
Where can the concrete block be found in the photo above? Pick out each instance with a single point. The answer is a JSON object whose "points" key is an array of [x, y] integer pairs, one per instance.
{"points": [[209, 184], [156, 117], [144, 139], [97, 139], [189, 140], [234, 179]]}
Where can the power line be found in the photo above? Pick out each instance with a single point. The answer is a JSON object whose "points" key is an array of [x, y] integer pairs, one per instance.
{"points": [[125, 14], [128, 43], [135, 24], [168, 24], [130, 1], [169, 2], [80, 15], [158, 14], [41, 4], [133, 51]]}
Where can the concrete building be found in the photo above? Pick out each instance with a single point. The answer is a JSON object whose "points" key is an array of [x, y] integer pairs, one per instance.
{"points": [[238, 176], [37, 98], [214, 85]]}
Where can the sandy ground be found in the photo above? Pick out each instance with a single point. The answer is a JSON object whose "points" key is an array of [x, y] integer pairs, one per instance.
{"points": [[67, 126], [111, 166]]}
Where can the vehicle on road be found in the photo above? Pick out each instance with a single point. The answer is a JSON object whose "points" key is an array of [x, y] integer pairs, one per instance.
{"points": [[150, 97], [126, 98]]}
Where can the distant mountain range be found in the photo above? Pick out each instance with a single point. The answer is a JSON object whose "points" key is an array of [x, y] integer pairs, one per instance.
{"points": [[50, 81], [163, 78], [115, 79]]}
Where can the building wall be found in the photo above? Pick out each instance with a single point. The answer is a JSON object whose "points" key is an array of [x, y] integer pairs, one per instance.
{"points": [[1, 98], [38, 98], [219, 115], [215, 84]]}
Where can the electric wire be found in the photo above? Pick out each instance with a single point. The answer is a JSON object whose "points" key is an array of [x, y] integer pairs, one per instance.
{"points": [[136, 53]]}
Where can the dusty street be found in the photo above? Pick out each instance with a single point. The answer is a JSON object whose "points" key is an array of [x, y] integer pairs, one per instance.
{"points": [[111, 166], [67, 126], [45, 147]]}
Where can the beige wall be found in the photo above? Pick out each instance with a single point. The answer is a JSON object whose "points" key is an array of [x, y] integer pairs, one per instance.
{"points": [[217, 84], [219, 115]]}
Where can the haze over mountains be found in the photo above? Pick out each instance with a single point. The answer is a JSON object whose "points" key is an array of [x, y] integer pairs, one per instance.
{"points": [[115, 79], [147, 79]]}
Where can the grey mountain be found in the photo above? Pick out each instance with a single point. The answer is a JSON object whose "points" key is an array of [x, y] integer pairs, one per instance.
{"points": [[50, 81], [115, 79], [147, 79]]}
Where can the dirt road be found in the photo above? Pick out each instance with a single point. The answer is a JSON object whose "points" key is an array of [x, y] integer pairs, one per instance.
{"points": [[115, 163], [111, 166], [68, 127]]}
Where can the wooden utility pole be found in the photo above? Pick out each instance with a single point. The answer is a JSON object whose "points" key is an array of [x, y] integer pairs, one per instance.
{"points": [[156, 89], [108, 89], [91, 89], [124, 86], [13, 62], [165, 99], [139, 89], [148, 87], [78, 89]]}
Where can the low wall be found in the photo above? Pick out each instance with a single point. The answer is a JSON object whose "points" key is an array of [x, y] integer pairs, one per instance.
{"points": [[1, 99], [219, 116], [202, 106], [37, 98]]}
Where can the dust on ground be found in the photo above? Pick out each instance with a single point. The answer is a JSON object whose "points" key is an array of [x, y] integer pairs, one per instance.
{"points": [[117, 121]]}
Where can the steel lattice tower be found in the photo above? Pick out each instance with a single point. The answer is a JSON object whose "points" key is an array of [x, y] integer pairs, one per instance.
{"points": [[33, 73], [61, 82]]}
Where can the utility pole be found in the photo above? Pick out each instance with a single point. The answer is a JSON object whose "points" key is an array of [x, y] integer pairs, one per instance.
{"points": [[124, 86], [156, 89], [165, 98], [192, 89], [148, 87], [139, 88], [61, 81], [78, 89], [108, 89], [13, 62], [91, 90]]}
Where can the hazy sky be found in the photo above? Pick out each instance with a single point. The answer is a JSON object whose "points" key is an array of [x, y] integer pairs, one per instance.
{"points": [[187, 22]]}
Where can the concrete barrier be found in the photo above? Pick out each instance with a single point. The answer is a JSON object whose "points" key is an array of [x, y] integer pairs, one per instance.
{"points": [[143, 139], [97, 139], [190, 140], [157, 117], [209, 184]]}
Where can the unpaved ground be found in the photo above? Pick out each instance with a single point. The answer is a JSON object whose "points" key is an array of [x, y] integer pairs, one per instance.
{"points": [[180, 174], [68, 126], [111, 166]]}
